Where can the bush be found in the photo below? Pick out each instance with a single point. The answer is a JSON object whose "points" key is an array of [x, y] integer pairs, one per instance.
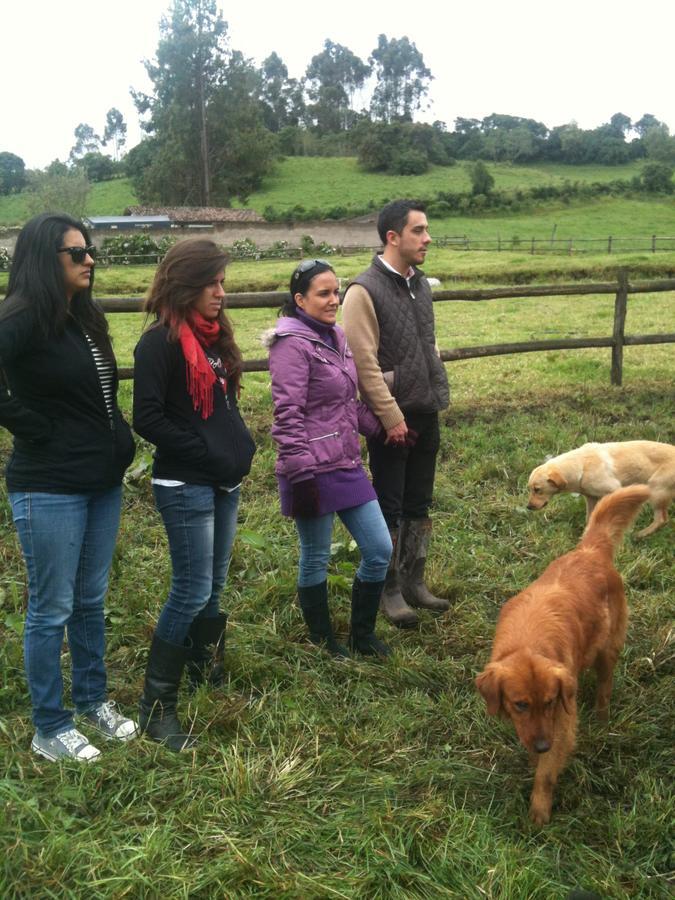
{"points": [[245, 249], [439, 209], [657, 177], [409, 162], [98, 166], [309, 248], [5, 259], [134, 249], [482, 181]]}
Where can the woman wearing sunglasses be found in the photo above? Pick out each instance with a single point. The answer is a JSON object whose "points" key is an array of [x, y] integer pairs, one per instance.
{"points": [[71, 448], [186, 383], [317, 420]]}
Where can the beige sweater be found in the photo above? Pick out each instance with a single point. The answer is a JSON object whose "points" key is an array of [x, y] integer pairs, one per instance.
{"points": [[363, 336]]}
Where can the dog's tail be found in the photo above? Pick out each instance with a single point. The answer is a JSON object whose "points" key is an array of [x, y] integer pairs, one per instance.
{"points": [[612, 516]]}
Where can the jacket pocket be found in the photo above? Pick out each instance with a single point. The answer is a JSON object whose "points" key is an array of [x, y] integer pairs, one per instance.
{"points": [[326, 448]]}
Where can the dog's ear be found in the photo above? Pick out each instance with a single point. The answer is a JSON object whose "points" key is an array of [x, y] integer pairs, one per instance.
{"points": [[489, 684], [556, 478], [567, 688]]}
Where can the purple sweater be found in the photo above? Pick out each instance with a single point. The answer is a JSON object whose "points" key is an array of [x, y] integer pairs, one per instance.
{"points": [[317, 416]]}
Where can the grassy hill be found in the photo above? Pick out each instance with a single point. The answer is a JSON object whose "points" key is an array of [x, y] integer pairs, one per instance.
{"points": [[329, 181], [332, 181], [106, 198]]}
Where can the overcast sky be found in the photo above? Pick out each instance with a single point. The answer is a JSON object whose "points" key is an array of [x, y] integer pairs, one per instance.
{"points": [[583, 60]]}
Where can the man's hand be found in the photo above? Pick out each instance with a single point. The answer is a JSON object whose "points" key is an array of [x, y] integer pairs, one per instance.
{"points": [[397, 434]]}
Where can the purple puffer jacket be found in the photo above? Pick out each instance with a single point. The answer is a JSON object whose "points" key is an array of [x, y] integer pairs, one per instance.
{"points": [[317, 416]]}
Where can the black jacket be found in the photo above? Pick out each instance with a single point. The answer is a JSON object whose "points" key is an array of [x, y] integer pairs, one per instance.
{"points": [[213, 451], [64, 440]]}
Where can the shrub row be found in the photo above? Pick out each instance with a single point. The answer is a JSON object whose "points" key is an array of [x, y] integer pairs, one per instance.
{"points": [[443, 204]]}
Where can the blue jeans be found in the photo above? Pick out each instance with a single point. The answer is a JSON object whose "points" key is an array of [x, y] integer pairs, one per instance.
{"points": [[200, 523], [366, 525], [68, 542]]}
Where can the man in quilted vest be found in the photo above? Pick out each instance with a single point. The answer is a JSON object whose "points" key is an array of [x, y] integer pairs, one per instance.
{"points": [[389, 322]]}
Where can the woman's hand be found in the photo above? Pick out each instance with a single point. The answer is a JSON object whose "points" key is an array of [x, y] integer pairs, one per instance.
{"points": [[305, 502]]}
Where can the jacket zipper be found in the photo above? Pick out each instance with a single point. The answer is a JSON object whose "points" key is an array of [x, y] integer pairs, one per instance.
{"points": [[323, 437]]}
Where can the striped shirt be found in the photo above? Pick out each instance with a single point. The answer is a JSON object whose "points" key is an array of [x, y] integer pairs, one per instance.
{"points": [[106, 373]]}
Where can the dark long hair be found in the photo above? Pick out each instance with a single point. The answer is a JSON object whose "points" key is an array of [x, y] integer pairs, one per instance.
{"points": [[302, 277], [36, 281], [182, 275]]}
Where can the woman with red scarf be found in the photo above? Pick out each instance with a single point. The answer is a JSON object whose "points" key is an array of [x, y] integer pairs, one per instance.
{"points": [[186, 382]]}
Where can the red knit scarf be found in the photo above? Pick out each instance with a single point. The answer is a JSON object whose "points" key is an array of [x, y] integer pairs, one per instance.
{"points": [[194, 335]]}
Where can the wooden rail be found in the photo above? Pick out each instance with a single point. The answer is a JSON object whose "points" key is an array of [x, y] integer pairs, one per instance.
{"points": [[621, 289]]}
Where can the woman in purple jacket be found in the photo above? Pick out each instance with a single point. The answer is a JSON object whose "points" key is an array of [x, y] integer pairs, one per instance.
{"points": [[317, 420]]}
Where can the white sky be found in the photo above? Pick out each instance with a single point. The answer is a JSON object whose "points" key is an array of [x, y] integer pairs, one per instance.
{"points": [[583, 60]]}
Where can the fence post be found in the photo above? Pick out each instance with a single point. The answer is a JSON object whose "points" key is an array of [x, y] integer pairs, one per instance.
{"points": [[620, 306], [532, 247], [653, 243], [609, 244]]}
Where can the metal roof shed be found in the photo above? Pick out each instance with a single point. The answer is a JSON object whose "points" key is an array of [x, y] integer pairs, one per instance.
{"points": [[114, 223]]}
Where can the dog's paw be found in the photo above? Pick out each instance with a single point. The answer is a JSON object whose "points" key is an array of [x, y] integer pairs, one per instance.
{"points": [[540, 811]]}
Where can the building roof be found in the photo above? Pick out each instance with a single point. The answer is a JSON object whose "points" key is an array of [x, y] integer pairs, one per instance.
{"points": [[131, 221], [192, 215]]}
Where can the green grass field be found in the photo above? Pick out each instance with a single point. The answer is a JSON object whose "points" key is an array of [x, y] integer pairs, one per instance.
{"points": [[314, 779], [325, 182], [337, 181]]}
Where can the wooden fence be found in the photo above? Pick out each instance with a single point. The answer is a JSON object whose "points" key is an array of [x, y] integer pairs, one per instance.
{"points": [[563, 246], [621, 288]]}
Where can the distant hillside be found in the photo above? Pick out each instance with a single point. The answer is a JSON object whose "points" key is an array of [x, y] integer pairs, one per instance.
{"points": [[330, 182]]}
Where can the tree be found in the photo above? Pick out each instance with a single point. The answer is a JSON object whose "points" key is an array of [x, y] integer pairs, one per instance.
{"points": [[482, 181], [115, 131], [333, 77], [52, 193], [281, 96], [204, 115], [659, 145], [86, 141], [12, 173], [97, 166], [646, 122], [620, 125], [402, 79]]}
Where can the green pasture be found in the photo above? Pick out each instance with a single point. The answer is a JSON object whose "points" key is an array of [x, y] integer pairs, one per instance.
{"points": [[324, 182], [314, 779], [321, 182], [453, 268]]}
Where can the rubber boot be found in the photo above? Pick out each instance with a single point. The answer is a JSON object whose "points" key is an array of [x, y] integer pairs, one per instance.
{"points": [[157, 708], [205, 652], [393, 606], [365, 603], [314, 606], [414, 543]]}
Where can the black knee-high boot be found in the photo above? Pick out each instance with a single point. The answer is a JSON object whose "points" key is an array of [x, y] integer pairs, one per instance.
{"points": [[314, 606], [158, 719], [205, 651], [365, 603]]}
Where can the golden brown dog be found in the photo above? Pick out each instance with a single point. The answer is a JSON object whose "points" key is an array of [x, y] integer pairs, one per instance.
{"points": [[598, 469], [572, 617]]}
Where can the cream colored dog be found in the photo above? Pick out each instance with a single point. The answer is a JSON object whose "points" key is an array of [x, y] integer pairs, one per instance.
{"points": [[598, 469]]}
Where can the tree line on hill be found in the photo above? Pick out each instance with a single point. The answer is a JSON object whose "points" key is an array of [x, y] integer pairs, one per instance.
{"points": [[215, 123]]}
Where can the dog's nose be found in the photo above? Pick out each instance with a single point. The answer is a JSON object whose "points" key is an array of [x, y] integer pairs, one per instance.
{"points": [[541, 745]]}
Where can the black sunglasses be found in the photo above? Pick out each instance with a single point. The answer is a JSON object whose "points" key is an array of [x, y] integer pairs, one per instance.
{"points": [[307, 265], [79, 254]]}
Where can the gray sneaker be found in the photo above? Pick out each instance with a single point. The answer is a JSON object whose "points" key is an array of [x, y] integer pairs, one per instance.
{"points": [[108, 722], [68, 744]]}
